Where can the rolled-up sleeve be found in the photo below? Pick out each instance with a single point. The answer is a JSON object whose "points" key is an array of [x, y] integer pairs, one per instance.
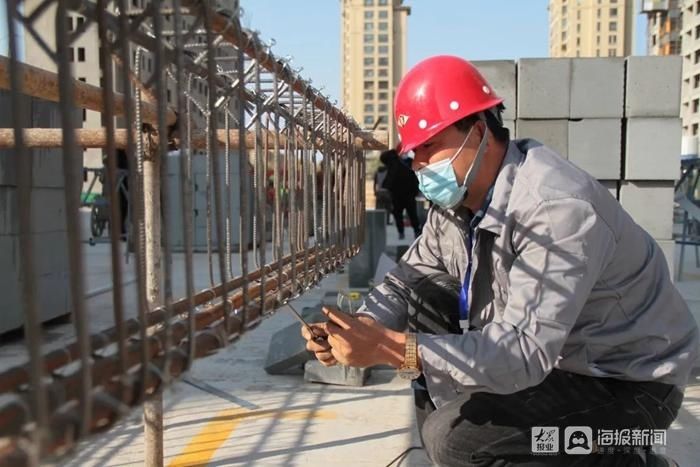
{"points": [[561, 249], [388, 302]]}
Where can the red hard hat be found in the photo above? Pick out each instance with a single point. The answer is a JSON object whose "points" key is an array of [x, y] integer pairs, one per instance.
{"points": [[436, 93]]}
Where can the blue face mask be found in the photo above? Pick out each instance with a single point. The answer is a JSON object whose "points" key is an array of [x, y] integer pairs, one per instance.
{"points": [[438, 181]]}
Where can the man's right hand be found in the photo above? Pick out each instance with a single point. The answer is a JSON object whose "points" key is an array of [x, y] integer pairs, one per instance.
{"points": [[318, 343]]}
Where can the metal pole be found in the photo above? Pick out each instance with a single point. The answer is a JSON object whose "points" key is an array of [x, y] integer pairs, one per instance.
{"points": [[153, 408]]}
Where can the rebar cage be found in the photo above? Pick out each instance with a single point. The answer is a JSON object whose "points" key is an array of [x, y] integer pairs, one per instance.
{"points": [[212, 91]]}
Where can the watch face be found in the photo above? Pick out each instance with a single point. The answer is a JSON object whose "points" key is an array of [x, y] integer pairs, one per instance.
{"points": [[409, 373]]}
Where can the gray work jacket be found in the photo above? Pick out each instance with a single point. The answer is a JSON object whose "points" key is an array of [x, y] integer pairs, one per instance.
{"points": [[562, 277]]}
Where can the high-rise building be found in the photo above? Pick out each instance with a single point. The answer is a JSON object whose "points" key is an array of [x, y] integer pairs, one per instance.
{"points": [[690, 49], [591, 28], [663, 26], [373, 50]]}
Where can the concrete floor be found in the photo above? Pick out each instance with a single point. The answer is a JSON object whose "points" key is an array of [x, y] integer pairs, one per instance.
{"points": [[244, 416]]}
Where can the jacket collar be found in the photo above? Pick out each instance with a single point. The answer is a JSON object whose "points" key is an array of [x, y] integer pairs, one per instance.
{"points": [[495, 214]]}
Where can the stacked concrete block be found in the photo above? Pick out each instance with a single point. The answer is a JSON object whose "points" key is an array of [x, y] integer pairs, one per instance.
{"points": [[595, 145], [48, 227], [552, 133], [652, 144], [500, 74], [363, 265]]}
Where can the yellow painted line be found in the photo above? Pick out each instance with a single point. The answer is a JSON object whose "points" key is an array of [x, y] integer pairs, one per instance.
{"points": [[204, 445]]}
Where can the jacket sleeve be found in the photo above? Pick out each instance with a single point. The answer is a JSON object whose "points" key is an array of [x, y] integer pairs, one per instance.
{"points": [[388, 302], [562, 247]]}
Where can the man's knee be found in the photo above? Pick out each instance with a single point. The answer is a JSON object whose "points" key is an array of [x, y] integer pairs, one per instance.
{"points": [[443, 443]]}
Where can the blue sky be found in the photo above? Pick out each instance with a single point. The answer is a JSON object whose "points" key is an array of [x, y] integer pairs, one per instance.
{"points": [[309, 30]]}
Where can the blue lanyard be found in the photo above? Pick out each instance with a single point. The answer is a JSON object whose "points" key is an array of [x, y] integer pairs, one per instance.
{"points": [[464, 293]]}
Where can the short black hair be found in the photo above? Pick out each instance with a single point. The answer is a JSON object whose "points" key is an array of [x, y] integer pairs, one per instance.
{"points": [[493, 121], [388, 156]]}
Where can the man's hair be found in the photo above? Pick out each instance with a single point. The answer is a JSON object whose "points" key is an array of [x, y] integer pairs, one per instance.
{"points": [[388, 156], [493, 121]]}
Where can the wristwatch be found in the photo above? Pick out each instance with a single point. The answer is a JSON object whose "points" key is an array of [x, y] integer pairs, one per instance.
{"points": [[409, 369]]}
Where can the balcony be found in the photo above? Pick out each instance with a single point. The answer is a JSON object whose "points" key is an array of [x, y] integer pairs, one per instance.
{"points": [[653, 6]]}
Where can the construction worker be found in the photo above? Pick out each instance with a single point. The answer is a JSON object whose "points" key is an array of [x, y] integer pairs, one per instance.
{"points": [[566, 315]]}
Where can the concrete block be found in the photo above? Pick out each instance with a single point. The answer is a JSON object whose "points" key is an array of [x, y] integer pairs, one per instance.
{"points": [[48, 210], [287, 352], [500, 74], [544, 88], [315, 372], [510, 124], [653, 149], [551, 133], [668, 247], [613, 187], [595, 145], [650, 204], [363, 265], [653, 86], [597, 87]]}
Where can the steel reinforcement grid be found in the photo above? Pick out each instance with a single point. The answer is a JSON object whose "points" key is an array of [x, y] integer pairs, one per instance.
{"points": [[214, 90]]}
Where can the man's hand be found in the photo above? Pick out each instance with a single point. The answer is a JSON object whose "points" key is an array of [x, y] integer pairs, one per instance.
{"points": [[318, 343], [361, 341]]}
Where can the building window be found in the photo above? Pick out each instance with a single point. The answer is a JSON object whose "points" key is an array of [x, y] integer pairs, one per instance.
{"points": [[696, 105], [384, 85], [383, 49], [383, 61], [697, 32], [369, 108], [80, 21], [597, 52], [369, 26], [369, 2], [81, 54], [383, 2], [597, 40], [613, 26], [383, 72], [383, 38], [369, 96], [578, 15], [383, 108], [70, 23], [369, 73], [369, 85], [653, 39], [598, 13], [612, 53], [613, 12], [169, 95], [383, 26], [71, 54], [383, 14], [382, 96], [597, 27], [563, 10], [84, 115], [369, 49], [695, 129], [696, 81], [697, 56], [369, 120], [369, 38], [578, 29], [369, 61], [369, 14], [578, 42], [612, 40]]}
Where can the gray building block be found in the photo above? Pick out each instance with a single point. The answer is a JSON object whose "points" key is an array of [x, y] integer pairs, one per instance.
{"points": [[287, 352], [653, 86], [669, 249], [651, 206], [500, 74], [597, 87], [552, 133], [363, 265], [544, 88], [48, 210], [510, 124], [613, 187], [653, 149], [595, 145], [315, 372]]}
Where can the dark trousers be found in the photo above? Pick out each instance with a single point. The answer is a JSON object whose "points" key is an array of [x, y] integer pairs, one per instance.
{"points": [[484, 429], [407, 203]]}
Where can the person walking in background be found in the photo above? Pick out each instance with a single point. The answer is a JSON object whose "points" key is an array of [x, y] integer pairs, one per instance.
{"points": [[381, 194], [402, 183]]}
